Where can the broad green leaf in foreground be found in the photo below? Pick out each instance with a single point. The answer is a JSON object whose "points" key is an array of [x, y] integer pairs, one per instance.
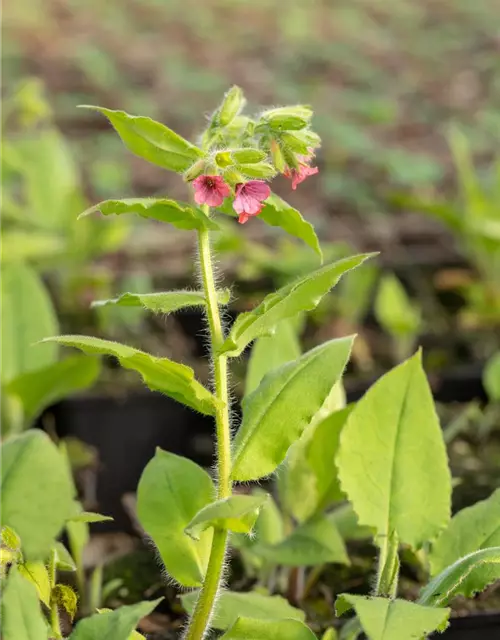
{"points": [[113, 625], [37, 491], [38, 389], [270, 352], [278, 412], [231, 605], [302, 295], [454, 580], [22, 617], [164, 302], [27, 316], [152, 140], [392, 459], [237, 513], [316, 541], [246, 628], [171, 491], [181, 216], [472, 529], [385, 619], [159, 374]]}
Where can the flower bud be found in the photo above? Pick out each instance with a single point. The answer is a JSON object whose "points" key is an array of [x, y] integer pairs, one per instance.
{"points": [[293, 142], [195, 170], [233, 103], [247, 156], [262, 170]]}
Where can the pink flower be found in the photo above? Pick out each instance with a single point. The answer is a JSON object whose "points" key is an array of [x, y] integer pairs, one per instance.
{"points": [[210, 190], [304, 171], [249, 198]]}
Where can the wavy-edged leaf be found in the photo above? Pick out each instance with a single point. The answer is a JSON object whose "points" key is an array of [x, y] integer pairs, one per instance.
{"points": [[302, 295], [472, 529], [159, 374], [27, 316], [22, 617], [270, 352], [278, 412], [392, 460], [230, 605], [316, 541], [180, 215], [237, 513], [453, 580], [162, 302], [246, 628], [385, 619], [38, 389], [113, 625], [152, 140], [171, 491], [37, 491]]}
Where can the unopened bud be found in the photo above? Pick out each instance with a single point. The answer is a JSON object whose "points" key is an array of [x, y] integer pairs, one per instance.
{"points": [[195, 170], [233, 103]]}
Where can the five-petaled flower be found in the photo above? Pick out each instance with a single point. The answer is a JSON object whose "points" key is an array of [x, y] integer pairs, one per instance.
{"points": [[210, 190], [304, 171], [249, 197]]}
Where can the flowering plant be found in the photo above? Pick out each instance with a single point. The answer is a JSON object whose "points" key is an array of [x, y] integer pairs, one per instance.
{"points": [[385, 455]]}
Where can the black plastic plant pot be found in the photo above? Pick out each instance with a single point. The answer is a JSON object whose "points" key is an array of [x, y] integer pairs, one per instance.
{"points": [[478, 626], [125, 433]]}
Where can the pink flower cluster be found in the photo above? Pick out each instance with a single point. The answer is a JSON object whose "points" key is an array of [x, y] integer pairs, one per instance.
{"points": [[249, 196]]}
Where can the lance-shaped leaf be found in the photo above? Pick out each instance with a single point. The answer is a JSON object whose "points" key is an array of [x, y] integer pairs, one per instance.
{"points": [[245, 628], [113, 625], [89, 516], [37, 491], [472, 529], [63, 559], [41, 388], [171, 491], [392, 459], [36, 572], [159, 374], [454, 580], [180, 215], [237, 513], [231, 605], [162, 302], [316, 541], [22, 617], [385, 619], [277, 413], [302, 295], [152, 140]]}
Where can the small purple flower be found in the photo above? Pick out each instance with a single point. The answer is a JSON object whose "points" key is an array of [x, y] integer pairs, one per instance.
{"points": [[249, 198], [210, 190]]}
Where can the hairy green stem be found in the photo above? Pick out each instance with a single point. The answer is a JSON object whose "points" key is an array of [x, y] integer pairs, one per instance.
{"points": [[55, 623], [201, 616]]}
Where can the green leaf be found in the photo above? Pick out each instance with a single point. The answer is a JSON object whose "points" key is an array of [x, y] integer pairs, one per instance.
{"points": [[10, 539], [491, 378], [270, 352], [180, 215], [330, 634], [152, 140], [78, 537], [346, 521], [21, 246], [450, 582], [230, 605], [269, 426], [309, 482], [67, 599], [249, 628], [472, 529], [302, 295], [171, 491], [38, 389], [385, 619], [37, 574], [27, 317], [165, 302], [316, 541], [89, 516], [113, 625], [37, 491], [64, 561], [159, 374], [392, 460], [22, 617], [269, 527], [278, 213], [237, 513], [394, 310]]}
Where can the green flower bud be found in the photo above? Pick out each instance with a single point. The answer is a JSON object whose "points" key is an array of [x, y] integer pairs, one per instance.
{"points": [[233, 177], [247, 156], [195, 170], [286, 123], [233, 103], [277, 156], [262, 170], [293, 142], [301, 111]]}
